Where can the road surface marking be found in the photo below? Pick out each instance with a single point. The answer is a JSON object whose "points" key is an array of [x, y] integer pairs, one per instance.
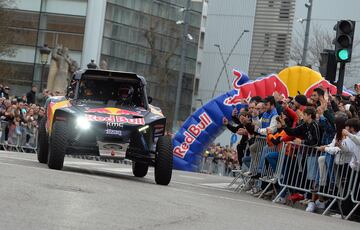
{"points": [[83, 163], [220, 185], [270, 205]]}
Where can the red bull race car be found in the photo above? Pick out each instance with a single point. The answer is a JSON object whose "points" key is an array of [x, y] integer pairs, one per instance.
{"points": [[106, 114]]}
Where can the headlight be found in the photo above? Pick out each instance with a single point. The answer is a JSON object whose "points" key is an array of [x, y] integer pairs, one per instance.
{"points": [[82, 123], [142, 129]]}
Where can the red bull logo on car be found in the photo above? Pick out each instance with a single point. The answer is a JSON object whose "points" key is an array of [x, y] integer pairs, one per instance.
{"points": [[113, 111], [115, 119]]}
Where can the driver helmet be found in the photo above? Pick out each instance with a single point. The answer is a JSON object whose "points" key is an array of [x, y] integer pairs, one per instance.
{"points": [[125, 92]]}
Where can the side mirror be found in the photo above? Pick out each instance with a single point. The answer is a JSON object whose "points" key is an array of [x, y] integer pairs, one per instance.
{"points": [[70, 92], [150, 99]]}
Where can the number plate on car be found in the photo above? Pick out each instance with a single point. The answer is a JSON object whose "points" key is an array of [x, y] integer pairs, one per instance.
{"points": [[112, 149]]}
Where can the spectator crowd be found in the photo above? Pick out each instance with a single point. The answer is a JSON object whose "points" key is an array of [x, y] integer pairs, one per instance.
{"points": [[328, 123], [20, 116]]}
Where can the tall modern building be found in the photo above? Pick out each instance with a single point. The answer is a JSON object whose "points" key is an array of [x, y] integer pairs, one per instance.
{"points": [[270, 49], [141, 36], [145, 36]]}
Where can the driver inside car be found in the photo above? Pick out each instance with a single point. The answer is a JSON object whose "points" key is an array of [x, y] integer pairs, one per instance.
{"points": [[125, 95]]}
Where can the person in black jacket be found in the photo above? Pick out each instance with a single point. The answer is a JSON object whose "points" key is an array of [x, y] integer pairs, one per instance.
{"points": [[244, 127], [5, 92], [31, 96], [307, 133]]}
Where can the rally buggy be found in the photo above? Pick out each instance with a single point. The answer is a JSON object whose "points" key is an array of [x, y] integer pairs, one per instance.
{"points": [[106, 114]]}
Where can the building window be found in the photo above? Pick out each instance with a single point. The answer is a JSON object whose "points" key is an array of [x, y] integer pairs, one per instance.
{"points": [[267, 40], [280, 50], [271, 3], [202, 38], [285, 10], [196, 89]]}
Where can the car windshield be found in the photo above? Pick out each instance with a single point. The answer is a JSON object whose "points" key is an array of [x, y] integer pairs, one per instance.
{"points": [[111, 91]]}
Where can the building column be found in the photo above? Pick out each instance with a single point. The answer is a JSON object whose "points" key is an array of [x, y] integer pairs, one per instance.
{"points": [[94, 28]]}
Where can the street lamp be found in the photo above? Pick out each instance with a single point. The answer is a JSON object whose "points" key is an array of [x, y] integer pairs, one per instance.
{"points": [[92, 65], [307, 31], [223, 60], [184, 39], [227, 59], [44, 56]]}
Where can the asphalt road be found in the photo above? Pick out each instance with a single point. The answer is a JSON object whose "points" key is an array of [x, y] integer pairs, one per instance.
{"points": [[97, 195]]}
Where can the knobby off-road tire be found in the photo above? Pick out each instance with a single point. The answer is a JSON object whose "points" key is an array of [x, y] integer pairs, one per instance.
{"points": [[58, 144], [163, 161], [139, 169], [43, 142]]}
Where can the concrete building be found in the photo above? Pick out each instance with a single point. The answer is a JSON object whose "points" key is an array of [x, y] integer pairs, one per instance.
{"points": [[270, 48]]}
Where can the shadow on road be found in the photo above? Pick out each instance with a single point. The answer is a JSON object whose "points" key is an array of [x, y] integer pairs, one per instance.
{"points": [[108, 174]]}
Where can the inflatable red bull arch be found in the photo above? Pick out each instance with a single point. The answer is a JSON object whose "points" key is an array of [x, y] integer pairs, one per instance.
{"points": [[202, 127]]}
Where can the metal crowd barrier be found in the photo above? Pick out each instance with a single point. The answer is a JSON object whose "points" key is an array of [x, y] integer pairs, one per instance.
{"points": [[211, 166], [17, 136], [269, 174], [355, 193], [301, 171], [257, 153]]}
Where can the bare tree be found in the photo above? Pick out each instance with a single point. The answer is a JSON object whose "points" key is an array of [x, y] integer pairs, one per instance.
{"points": [[160, 61]]}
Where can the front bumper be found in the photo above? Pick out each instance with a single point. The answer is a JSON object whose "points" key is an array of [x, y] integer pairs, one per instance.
{"points": [[140, 144]]}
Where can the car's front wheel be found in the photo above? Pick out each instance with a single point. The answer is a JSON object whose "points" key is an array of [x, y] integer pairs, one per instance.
{"points": [[43, 142], [163, 161], [139, 169], [58, 145]]}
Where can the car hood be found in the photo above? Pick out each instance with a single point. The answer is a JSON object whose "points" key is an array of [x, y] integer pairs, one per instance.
{"points": [[120, 114]]}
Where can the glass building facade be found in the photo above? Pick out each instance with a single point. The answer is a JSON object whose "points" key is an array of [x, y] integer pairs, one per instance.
{"points": [[34, 24], [142, 36]]}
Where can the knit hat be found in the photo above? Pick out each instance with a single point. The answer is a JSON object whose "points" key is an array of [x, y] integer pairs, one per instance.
{"points": [[301, 99]]}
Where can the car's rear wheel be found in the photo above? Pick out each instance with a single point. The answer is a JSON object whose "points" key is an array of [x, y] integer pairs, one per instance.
{"points": [[163, 161], [139, 169], [43, 142], [58, 145]]}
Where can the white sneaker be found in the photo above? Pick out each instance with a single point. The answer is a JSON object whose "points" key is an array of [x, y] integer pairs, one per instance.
{"points": [[319, 204], [311, 207], [248, 174], [251, 191], [247, 187], [281, 200]]}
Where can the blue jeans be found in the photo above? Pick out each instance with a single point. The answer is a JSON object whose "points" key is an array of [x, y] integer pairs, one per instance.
{"points": [[246, 161], [272, 158], [262, 157]]}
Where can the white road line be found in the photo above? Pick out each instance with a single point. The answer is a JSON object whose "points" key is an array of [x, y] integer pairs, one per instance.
{"points": [[83, 163], [191, 177], [220, 185], [18, 158], [234, 199]]}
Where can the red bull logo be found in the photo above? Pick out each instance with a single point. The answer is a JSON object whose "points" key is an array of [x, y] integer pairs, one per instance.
{"points": [[116, 119], [113, 111], [263, 88], [191, 134], [324, 84]]}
